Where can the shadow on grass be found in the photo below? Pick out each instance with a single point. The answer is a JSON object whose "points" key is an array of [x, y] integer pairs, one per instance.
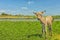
{"points": [[39, 35]]}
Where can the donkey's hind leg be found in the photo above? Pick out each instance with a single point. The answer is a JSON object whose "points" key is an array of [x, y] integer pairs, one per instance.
{"points": [[50, 30]]}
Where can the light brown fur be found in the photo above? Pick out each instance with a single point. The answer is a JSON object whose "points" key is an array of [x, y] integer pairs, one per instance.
{"points": [[45, 21]]}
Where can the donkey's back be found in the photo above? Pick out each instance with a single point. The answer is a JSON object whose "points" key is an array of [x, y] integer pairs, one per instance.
{"points": [[49, 20]]}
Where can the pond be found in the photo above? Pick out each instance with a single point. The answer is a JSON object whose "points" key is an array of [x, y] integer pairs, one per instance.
{"points": [[21, 19]]}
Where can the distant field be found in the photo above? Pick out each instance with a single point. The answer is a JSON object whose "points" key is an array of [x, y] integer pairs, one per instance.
{"points": [[4, 16], [25, 30], [9, 16], [26, 16]]}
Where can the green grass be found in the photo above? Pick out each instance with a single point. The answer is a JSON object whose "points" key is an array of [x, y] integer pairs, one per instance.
{"points": [[24, 30]]}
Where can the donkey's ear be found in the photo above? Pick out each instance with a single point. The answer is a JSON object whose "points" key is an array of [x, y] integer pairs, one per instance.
{"points": [[34, 13], [44, 10]]}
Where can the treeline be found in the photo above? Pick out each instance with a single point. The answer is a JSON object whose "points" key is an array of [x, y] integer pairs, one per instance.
{"points": [[15, 16], [5, 14], [56, 16], [29, 16]]}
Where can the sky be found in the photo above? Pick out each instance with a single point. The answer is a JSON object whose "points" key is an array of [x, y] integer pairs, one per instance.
{"points": [[27, 7]]}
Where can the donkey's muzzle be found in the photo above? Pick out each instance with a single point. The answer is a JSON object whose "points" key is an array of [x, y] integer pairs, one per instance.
{"points": [[37, 18]]}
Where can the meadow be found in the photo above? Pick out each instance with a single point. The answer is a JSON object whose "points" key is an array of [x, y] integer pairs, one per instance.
{"points": [[26, 30]]}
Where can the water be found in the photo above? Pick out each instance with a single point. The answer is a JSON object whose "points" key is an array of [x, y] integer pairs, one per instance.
{"points": [[56, 19], [17, 19], [21, 19]]}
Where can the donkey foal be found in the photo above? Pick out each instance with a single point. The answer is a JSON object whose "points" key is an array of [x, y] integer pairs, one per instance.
{"points": [[46, 23]]}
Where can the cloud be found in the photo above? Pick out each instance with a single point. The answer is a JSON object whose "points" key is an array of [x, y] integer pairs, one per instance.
{"points": [[2, 11], [30, 2], [24, 8], [8, 11]]}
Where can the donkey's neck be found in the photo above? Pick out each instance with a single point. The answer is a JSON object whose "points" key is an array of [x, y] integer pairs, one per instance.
{"points": [[42, 19]]}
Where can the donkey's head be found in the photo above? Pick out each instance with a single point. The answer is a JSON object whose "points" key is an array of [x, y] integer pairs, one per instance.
{"points": [[39, 13]]}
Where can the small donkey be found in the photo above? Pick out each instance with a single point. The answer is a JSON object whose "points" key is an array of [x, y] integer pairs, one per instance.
{"points": [[46, 22]]}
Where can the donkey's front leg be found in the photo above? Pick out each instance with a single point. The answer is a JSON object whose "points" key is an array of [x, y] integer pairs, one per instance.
{"points": [[43, 30], [46, 33]]}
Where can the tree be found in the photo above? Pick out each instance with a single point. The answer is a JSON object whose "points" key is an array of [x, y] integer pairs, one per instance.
{"points": [[4, 14]]}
